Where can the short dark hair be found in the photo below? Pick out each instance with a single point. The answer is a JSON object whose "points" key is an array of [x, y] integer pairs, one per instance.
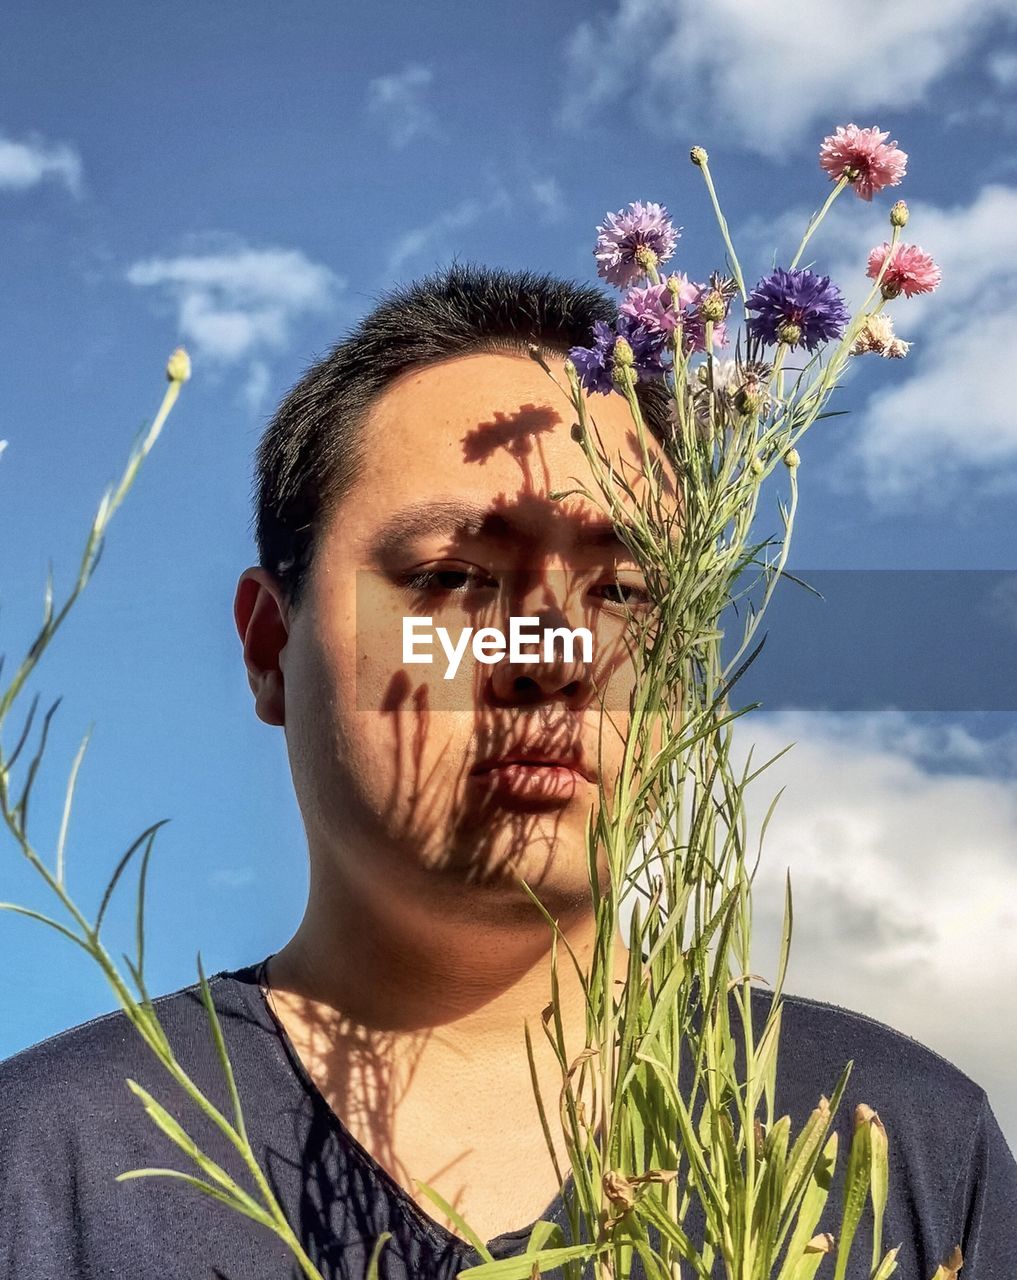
{"points": [[313, 450]]}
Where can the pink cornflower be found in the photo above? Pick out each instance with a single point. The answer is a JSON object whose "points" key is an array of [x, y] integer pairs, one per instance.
{"points": [[652, 307], [660, 308], [911, 270], [865, 157]]}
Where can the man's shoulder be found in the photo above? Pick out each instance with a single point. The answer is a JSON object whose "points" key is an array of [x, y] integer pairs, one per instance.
{"points": [[94, 1057], [836, 1029], [891, 1071]]}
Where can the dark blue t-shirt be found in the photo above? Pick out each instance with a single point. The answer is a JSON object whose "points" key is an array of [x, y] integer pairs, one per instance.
{"points": [[69, 1124]]}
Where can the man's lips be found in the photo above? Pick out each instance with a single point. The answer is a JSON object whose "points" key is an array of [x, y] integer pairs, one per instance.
{"points": [[529, 783], [536, 760]]}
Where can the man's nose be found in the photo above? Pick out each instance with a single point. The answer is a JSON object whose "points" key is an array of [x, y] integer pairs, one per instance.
{"points": [[564, 671]]}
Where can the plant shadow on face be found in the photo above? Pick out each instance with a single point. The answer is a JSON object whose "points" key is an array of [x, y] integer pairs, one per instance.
{"points": [[471, 837]]}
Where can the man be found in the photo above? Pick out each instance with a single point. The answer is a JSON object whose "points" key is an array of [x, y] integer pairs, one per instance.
{"points": [[409, 474]]}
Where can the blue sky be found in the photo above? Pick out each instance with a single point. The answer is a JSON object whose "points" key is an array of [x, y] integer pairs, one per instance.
{"points": [[247, 180]]}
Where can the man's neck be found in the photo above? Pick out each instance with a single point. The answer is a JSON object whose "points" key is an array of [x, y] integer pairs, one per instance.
{"points": [[417, 992]]}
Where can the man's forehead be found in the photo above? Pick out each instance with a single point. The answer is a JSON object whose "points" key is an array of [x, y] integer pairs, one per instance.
{"points": [[531, 517]]}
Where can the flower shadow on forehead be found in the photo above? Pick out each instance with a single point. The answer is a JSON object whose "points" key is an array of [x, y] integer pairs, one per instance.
{"points": [[518, 433], [514, 432]]}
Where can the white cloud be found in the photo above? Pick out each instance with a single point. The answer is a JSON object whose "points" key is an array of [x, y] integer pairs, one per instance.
{"points": [[953, 414], [547, 196], [435, 236], [231, 877], [769, 72], [26, 164], [398, 102], [1003, 69], [256, 387], [236, 303], [901, 838]]}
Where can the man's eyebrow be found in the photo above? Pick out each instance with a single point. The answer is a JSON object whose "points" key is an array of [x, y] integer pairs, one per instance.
{"points": [[471, 519]]}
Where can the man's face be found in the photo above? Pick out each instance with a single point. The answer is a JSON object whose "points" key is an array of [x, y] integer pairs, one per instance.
{"points": [[396, 768]]}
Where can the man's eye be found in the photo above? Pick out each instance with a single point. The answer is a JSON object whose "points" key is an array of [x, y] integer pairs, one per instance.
{"points": [[625, 593], [452, 581]]}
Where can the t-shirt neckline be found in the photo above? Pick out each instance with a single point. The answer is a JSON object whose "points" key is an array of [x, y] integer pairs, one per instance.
{"points": [[435, 1232]]}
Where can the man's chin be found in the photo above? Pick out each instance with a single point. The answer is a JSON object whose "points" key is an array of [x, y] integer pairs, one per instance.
{"points": [[552, 863]]}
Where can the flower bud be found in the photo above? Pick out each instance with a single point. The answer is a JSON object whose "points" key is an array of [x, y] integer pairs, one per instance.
{"points": [[713, 307], [178, 366], [698, 156], [623, 371], [537, 356], [756, 465], [790, 333], [792, 459], [899, 214], [624, 356]]}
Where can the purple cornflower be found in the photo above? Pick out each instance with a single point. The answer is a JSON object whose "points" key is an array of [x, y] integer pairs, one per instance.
{"points": [[595, 364], [632, 241], [796, 307]]}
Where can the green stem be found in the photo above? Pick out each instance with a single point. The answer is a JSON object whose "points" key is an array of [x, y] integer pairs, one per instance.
{"points": [[724, 229], [813, 226]]}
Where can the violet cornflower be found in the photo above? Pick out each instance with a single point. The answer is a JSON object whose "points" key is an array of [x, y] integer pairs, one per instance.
{"points": [[864, 157], [632, 241], [796, 307], [595, 365]]}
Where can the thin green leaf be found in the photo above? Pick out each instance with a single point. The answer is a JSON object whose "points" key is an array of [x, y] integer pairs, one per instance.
{"points": [[372, 1265], [21, 808], [248, 1208], [182, 1139], [221, 1051], [120, 868], [811, 1209], [43, 919], [464, 1228], [68, 801]]}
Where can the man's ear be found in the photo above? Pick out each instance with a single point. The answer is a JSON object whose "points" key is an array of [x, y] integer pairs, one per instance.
{"points": [[262, 617]]}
